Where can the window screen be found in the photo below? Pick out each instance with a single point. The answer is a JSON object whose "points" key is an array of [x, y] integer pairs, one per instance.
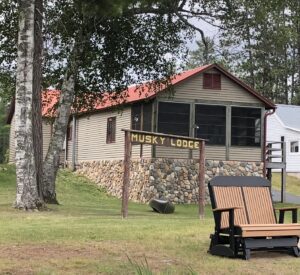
{"points": [[245, 126], [111, 130], [136, 116], [141, 116], [211, 123], [173, 118], [147, 117]]}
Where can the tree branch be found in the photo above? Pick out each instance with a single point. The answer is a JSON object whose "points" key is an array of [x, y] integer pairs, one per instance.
{"points": [[180, 16]]}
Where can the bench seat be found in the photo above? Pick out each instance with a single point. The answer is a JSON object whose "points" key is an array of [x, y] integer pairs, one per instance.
{"points": [[268, 230]]}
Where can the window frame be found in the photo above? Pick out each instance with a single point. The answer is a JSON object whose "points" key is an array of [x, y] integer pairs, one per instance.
{"points": [[111, 135]]}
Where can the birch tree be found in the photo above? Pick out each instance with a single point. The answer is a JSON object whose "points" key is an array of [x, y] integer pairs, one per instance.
{"points": [[28, 196]]}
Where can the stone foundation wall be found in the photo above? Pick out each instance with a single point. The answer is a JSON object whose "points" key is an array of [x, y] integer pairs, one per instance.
{"points": [[173, 179]]}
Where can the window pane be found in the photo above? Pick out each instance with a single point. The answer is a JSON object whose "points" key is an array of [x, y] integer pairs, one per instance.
{"points": [[245, 126], [173, 118], [136, 117], [211, 123], [294, 146], [147, 117]]}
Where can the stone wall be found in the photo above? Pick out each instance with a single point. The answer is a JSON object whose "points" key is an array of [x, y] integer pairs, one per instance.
{"points": [[173, 179]]}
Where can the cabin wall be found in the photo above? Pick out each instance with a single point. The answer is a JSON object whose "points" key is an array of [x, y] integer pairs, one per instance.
{"points": [[231, 94], [91, 137]]}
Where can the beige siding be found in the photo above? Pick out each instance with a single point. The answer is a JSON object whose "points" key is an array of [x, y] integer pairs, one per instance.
{"points": [[168, 152], [192, 90], [69, 144], [46, 139], [246, 153], [92, 137], [12, 150], [212, 152]]}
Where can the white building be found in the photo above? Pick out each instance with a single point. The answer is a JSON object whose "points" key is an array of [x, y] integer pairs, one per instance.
{"points": [[286, 123]]}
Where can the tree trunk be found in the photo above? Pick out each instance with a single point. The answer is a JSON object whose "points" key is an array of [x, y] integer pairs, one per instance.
{"points": [[36, 107], [51, 163], [27, 196]]}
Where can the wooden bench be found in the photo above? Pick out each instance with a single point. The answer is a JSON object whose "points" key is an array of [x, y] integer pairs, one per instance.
{"points": [[245, 218]]}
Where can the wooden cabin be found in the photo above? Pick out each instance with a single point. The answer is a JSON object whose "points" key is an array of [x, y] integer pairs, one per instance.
{"points": [[207, 102]]}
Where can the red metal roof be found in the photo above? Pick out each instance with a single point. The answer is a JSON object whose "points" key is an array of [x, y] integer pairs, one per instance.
{"points": [[137, 93], [132, 94]]}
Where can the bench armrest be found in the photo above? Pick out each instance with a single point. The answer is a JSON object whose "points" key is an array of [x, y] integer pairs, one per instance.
{"points": [[226, 209], [218, 213], [293, 209]]}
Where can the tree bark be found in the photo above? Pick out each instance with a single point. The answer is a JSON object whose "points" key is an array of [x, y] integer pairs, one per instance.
{"points": [[51, 163], [36, 107], [27, 196]]}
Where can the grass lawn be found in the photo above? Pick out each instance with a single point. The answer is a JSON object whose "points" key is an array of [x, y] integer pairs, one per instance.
{"points": [[292, 183], [85, 235]]}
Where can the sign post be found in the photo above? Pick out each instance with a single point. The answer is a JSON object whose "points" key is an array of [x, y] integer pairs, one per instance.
{"points": [[133, 137]]}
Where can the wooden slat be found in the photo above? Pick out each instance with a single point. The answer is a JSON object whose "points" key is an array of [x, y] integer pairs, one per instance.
{"points": [[270, 230], [271, 233], [230, 196], [259, 206]]}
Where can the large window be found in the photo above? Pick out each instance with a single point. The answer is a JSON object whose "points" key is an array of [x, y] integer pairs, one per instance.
{"points": [[111, 130], [211, 123], [174, 118], [245, 126], [141, 116]]}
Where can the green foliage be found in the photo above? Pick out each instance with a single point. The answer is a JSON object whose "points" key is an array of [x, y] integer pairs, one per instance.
{"points": [[4, 132], [263, 37], [115, 50], [8, 48], [211, 53]]}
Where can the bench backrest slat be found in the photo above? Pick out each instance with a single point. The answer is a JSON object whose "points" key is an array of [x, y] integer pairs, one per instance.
{"points": [[259, 205], [229, 197]]}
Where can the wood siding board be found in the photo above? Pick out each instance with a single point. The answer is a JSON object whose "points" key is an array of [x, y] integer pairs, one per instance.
{"points": [[241, 153]]}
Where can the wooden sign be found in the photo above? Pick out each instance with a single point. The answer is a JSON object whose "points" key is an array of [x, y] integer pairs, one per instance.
{"points": [[140, 138]]}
